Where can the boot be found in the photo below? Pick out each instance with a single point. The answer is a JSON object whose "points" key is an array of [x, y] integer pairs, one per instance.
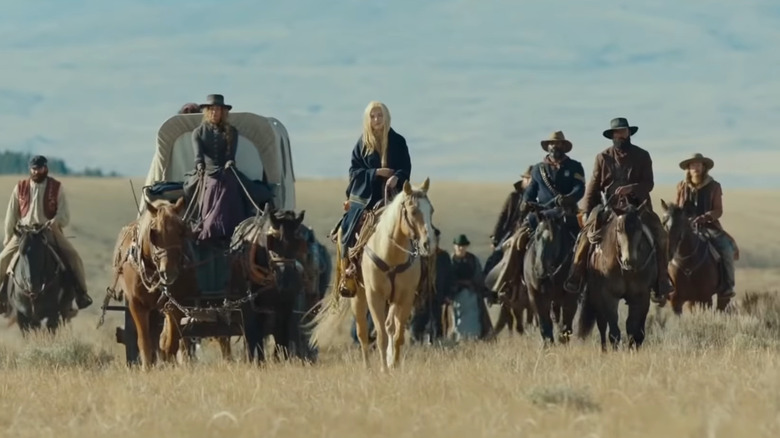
{"points": [[728, 276], [573, 284], [347, 285], [4, 296], [664, 285], [83, 300]]}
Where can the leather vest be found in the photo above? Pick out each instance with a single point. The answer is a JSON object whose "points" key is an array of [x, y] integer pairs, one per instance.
{"points": [[50, 195]]}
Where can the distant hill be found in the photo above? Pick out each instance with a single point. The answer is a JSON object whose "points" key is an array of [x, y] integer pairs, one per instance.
{"points": [[14, 163]]}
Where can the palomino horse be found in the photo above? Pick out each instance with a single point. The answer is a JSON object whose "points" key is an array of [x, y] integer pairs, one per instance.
{"points": [[36, 286], [545, 266], [621, 266], [390, 269], [693, 268], [149, 259]]}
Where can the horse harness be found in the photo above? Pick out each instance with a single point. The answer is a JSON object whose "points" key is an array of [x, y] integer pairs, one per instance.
{"points": [[392, 271], [701, 239], [24, 289]]}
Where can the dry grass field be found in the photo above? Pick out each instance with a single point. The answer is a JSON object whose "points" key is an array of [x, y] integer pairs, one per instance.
{"points": [[701, 375]]}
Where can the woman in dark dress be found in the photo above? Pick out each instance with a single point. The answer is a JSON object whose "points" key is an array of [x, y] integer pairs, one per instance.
{"points": [[215, 142], [379, 158]]}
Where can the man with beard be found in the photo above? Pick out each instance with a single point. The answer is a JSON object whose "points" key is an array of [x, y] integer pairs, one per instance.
{"points": [[621, 170], [558, 181], [35, 201], [700, 191]]}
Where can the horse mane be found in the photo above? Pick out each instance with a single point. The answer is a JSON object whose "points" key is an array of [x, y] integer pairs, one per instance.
{"points": [[392, 212], [164, 211], [608, 244]]}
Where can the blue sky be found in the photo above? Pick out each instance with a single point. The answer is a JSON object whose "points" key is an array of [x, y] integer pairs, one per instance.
{"points": [[481, 82]]}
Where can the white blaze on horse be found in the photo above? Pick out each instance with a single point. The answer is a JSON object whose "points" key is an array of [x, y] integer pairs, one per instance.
{"points": [[390, 271]]}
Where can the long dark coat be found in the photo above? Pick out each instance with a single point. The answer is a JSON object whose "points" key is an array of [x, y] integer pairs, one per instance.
{"points": [[365, 187]]}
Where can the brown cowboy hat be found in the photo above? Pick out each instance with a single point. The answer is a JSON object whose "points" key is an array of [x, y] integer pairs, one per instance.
{"points": [[697, 158], [215, 100], [527, 173], [619, 123], [557, 137]]}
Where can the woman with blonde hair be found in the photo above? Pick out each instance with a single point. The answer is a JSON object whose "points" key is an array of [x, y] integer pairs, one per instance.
{"points": [[380, 160]]}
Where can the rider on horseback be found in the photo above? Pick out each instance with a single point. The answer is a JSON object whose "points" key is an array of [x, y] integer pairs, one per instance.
{"points": [[35, 201], [223, 201], [509, 218], [379, 159], [622, 170], [704, 194], [558, 181]]}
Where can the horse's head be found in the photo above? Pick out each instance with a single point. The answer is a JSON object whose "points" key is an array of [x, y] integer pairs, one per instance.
{"points": [[36, 263], [676, 220], [284, 237], [630, 240], [551, 243], [417, 216], [163, 234]]}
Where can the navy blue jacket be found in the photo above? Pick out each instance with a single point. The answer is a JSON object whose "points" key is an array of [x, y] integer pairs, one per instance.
{"points": [[365, 187], [568, 180]]}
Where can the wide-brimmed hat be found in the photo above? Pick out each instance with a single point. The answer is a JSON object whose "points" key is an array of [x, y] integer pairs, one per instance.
{"points": [[38, 161], [215, 100], [697, 158], [461, 240], [559, 138], [619, 123], [527, 173]]}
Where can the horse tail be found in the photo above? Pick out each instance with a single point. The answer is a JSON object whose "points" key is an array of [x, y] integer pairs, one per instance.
{"points": [[332, 311], [326, 268], [587, 318]]}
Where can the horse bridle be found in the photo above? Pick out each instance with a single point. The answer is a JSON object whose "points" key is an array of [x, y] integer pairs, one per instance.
{"points": [[27, 291], [156, 255], [649, 257], [678, 258], [392, 271]]}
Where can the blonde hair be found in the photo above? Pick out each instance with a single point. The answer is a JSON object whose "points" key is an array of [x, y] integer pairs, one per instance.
{"points": [[371, 143]]}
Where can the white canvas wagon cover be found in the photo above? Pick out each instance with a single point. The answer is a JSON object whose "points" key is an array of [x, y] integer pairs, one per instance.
{"points": [[263, 147]]}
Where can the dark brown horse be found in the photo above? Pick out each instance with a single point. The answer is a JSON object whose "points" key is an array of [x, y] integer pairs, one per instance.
{"points": [[515, 309], [545, 266], [276, 249], [693, 267], [621, 266]]}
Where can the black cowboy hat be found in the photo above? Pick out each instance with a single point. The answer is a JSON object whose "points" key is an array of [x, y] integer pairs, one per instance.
{"points": [[461, 240], [38, 161], [559, 138], [697, 158], [215, 100], [619, 123]]}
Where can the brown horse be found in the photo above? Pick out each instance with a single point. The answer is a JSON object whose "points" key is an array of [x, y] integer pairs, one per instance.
{"points": [[693, 266], [621, 266], [390, 269], [148, 261], [515, 307]]}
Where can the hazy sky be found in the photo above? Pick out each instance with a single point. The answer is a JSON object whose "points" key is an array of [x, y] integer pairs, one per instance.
{"points": [[480, 81]]}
